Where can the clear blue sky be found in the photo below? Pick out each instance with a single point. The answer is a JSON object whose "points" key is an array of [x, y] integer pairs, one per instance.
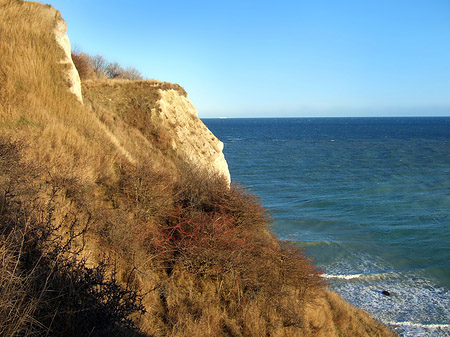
{"points": [[241, 58]]}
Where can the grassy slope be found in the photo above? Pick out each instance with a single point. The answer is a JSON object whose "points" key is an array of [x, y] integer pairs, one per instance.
{"points": [[99, 183]]}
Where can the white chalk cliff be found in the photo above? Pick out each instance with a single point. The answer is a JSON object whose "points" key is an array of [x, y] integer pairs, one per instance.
{"points": [[190, 137], [63, 40]]}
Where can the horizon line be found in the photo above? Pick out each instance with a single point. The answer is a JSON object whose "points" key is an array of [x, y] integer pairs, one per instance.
{"points": [[287, 117]]}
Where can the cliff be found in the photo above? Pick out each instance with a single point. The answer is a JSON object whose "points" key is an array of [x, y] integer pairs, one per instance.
{"points": [[159, 113], [117, 214], [72, 74]]}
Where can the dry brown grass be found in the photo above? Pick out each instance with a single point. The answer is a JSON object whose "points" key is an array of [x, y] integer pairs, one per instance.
{"points": [[35, 103], [16, 311], [332, 316], [47, 287], [217, 267]]}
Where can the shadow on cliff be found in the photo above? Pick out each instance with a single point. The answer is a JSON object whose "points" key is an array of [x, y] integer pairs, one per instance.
{"points": [[46, 287]]}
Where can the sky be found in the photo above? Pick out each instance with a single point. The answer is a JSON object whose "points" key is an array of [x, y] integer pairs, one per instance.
{"points": [[284, 58]]}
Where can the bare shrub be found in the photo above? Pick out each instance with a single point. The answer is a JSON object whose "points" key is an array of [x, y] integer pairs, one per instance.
{"points": [[16, 311], [98, 64], [132, 74], [220, 234], [46, 287], [114, 70], [97, 67], [82, 62]]}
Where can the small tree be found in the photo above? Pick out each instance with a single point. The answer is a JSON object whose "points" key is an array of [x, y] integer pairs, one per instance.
{"points": [[132, 74], [99, 64], [82, 62], [97, 67], [114, 70]]}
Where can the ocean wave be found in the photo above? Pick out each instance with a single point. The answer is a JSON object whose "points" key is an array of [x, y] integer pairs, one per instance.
{"points": [[413, 301], [420, 325], [356, 276], [315, 243], [343, 277]]}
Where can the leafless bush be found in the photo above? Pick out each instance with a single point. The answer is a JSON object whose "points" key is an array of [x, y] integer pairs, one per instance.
{"points": [[131, 73], [220, 234], [82, 62], [97, 67], [99, 64], [46, 288], [114, 70], [16, 311]]}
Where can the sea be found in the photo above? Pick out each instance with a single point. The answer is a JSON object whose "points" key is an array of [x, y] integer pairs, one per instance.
{"points": [[368, 198]]}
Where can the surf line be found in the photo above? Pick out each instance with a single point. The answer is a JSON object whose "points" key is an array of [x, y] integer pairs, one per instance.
{"points": [[353, 276], [420, 325], [344, 277]]}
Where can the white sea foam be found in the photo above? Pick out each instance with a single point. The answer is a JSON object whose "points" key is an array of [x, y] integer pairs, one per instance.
{"points": [[408, 328], [420, 325], [413, 301], [343, 277], [355, 276], [418, 306]]}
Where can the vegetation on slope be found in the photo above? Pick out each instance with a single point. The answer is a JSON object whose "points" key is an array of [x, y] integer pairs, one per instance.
{"points": [[96, 67], [107, 231]]}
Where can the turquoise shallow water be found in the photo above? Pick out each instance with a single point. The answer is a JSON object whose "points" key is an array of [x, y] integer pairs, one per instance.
{"points": [[369, 198]]}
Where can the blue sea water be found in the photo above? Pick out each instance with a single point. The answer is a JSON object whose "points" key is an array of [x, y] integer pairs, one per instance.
{"points": [[369, 198]]}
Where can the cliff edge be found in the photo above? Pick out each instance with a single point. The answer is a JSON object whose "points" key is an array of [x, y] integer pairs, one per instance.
{"points": [[159, 113], [118, 217], [72, 73]]}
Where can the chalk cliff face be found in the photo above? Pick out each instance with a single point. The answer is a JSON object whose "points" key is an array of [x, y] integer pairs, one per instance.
{"points": [[156, 116], [72, 73], [190, 136]]}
